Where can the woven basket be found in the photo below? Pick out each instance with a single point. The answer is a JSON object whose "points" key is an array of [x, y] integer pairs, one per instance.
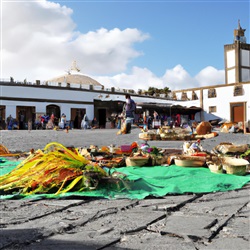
{"points": [[236, 170], [157, 160], [235, 166], [190, 161], [216, 168], [147, 136], [137, 161]]}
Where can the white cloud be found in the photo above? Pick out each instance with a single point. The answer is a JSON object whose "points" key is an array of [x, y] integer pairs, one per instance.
{"points": [[175, 79], [178, 78], [138, 79], [40, 41], [210, 76], [107, 52], [42, 35]]}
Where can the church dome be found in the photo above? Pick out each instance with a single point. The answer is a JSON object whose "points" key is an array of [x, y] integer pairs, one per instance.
{"points": [[74, 76]]}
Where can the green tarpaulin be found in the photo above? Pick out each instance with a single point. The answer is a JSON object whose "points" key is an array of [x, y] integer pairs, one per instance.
{"points": [[154, 181], [6, 165]]}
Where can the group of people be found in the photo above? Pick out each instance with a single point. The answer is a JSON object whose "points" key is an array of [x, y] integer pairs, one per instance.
{"points": [[50, 121], [127, 117], [13, 123], [160, 119], [63, 123]]}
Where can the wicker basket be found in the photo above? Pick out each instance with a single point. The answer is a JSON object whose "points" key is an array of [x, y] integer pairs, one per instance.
{"points": [[236, 170], [137, 161], [216, 168], [147, 136], [235, 166], [190, 161], [157, 160]]}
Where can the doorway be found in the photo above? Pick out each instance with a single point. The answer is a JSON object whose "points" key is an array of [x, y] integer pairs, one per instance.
{"points": [[56, 111], [25, 114], [76, 117], [2, 117], [238, 112], [102, 118]]}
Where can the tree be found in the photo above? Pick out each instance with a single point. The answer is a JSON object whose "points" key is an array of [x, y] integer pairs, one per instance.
{"points": [[151, 91]]}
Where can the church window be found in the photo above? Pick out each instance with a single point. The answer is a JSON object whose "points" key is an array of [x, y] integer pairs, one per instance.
{"points": [[194, 96], [238, 90], [212, 109], [212, 93], [184, 96]]}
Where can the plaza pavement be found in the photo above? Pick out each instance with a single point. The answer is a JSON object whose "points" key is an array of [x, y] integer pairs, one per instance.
{"points": [[192, 221]]}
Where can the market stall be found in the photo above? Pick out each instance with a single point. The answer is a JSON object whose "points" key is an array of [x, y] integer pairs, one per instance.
{"points": [[108, 172]]}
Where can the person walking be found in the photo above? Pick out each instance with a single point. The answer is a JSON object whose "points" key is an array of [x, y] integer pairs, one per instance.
{"points": [[129, 110]]}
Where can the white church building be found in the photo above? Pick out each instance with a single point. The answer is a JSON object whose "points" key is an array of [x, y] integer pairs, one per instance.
{"points": [[230, 101]]}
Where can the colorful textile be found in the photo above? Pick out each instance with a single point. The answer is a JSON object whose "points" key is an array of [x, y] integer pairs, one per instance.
{"points": [[156, 181]]}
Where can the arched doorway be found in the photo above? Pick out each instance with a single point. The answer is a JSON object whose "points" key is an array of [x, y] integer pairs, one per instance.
{"points": [[56, 110]]}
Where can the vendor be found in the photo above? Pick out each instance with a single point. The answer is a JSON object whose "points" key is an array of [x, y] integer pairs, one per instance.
{"points": [[94, 123]]}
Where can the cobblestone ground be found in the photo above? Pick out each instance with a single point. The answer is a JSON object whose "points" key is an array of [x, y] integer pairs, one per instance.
{"points": [[24, 140], [205, 221]]}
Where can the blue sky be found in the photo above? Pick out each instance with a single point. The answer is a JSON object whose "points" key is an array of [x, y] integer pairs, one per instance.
{"points": [[126, 44]]}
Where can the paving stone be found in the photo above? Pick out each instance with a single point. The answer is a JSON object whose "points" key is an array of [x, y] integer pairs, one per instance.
{"points": [[170, 222], [227, 244]]}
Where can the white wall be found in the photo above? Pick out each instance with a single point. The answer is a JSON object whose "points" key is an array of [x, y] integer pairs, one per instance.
{"points": [[230, 59], [222, 101], [231, 76], [224, 96], [46, 93]]}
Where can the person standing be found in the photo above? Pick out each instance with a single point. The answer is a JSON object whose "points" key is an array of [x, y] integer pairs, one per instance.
{"points": [[144, 118], [29, 124], [21, 120], [130, 107], [9, 122], [63, 121], [156, 116], [76, 121], [52, 118], [178, 120], [85, 122], [129, 110], [119, 121]]}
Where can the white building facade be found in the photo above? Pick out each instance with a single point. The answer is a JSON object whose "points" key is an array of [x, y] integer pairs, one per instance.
{"points": [[229, 102], [75, 94]]}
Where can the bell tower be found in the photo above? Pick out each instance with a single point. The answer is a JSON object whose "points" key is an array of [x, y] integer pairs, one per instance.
{"points": [[237, 58]]}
